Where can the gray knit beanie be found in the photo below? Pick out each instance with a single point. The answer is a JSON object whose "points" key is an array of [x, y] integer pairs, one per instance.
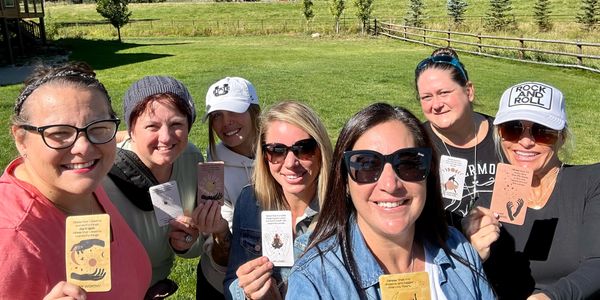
{"points": [[152, 85]]}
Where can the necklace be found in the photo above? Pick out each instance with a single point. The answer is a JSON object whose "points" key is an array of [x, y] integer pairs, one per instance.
{"points": [[540, 202], [412, 258], [474, 194]]}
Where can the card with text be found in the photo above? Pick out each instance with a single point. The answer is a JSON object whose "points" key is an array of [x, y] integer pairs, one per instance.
{"points": [[166, 201], [277, 238], [211, 181], [452, 176], [87, 252], [406, 286], [512, 187]]}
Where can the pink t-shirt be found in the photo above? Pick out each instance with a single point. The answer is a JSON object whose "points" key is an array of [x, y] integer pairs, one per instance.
{"points": [[32, 245]]}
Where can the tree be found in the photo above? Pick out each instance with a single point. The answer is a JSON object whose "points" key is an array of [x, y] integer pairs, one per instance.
{"points": [[589, 16], [309, 14], [498, 18], [414, 15], [336, 7], [541, 12], [456, 10], [364, 9], [115, 11]]}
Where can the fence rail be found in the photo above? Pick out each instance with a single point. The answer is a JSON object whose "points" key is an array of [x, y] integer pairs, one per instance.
{"points": [[573, 54]]}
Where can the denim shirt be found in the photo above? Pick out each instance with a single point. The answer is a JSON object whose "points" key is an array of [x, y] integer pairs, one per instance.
{"points": [[246, 243], [325, 277]]}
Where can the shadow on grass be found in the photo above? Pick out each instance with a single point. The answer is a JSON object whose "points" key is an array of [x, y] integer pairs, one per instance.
{"points": [[102, 54]]}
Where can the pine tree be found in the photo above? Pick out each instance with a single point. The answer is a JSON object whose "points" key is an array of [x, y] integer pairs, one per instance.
{"points": [[364, 9], [308, 12], [414, 15], [498, 17], [456, 10], [541, 12], [336, 7], [589, 16]]}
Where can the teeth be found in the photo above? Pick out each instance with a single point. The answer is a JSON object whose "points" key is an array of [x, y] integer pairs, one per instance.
{"points": [[525, 153], [291, 176], [165, 147], [79, 166], [230, 133], [390, 204]]}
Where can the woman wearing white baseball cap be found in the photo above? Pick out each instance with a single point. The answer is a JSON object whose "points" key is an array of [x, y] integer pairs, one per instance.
{"points": [[233, 112], [555, 254]]}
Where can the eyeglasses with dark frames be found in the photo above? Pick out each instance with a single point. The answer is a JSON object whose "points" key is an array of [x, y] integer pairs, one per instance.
{"points": [[410, 164], [443, 59], [513, 130], [302, 149], [63, 136]]}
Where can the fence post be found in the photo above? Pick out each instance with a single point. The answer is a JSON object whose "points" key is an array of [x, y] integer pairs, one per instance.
{"points": [[448, 37], [580, 50], [522, 51], [424, 34], [479, 47], [375, 26], [404, 30]]}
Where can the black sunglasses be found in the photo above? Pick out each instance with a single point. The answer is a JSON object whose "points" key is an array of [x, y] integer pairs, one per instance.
{"points": [[410, 164], [513, 130], [302, 149], [443, 59]]}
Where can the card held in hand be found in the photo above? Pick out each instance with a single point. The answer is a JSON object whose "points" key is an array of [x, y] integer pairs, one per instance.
{"points": [[277, 238], [211, 181], [166, 201], [511, 189], [87, 252]]}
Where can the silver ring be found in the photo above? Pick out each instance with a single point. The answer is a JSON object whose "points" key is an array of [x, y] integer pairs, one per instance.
{"points": [[188, 239]]}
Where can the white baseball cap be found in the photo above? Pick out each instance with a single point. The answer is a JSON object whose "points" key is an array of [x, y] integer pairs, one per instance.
{"points": [[533, 101], [231, 94]]}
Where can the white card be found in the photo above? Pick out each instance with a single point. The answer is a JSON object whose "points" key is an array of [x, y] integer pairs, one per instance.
{"points": [[452, 176], [277, 238], [167, 205]]}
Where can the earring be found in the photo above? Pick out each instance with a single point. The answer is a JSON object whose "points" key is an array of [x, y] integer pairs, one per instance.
{"points": [[24, 155]]}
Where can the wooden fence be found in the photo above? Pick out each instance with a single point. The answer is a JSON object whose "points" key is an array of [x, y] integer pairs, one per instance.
{"points": [[573, 54]]}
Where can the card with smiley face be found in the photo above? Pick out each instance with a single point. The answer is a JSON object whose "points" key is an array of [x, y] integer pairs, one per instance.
{"points": [[87, 252]]}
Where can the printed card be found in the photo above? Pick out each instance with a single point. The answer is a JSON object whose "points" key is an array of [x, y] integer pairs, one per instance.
{"points": [[406, 286], [166, 201], [211, 181], [87, 252], [452, 176], [277, 238], [511, 190]]}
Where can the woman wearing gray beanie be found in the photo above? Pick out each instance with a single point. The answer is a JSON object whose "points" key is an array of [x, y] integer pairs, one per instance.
{"points": [[159, 112]]}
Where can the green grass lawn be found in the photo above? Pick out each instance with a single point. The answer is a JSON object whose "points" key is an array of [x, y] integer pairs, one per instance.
{"points": [[336, 76]]}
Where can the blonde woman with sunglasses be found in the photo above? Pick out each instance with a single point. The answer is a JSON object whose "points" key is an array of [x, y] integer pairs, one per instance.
{"points": [[383, 215], [555, 254], [293, 156], [462, 136]]}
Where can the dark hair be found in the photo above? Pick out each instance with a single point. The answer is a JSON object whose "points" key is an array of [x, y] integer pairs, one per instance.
{"points": [[170, 98], [253, 110], [455, 74], [71, 73], [338, 208]]}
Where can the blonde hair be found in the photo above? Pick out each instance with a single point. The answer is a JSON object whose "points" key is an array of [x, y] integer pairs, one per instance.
{"points": [[268, 192]]}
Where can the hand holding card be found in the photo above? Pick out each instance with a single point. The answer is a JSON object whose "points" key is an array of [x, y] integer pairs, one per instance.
{"points": [[277, 238], [166, 201]]}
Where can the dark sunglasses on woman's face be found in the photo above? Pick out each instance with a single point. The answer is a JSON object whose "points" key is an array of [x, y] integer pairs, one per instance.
{"points": [[513, 130], [410, 164], [302, 149]]}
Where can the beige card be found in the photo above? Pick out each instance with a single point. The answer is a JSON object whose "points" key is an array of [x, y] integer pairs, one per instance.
{"points": [[211, 181], [511, 190], [406, 286], [87, 252]]}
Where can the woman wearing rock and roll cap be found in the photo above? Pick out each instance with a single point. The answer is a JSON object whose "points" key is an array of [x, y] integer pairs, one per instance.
{"points": [[555, 254], [233, 112]]}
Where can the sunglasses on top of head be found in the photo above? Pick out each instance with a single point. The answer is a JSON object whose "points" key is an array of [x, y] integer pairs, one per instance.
{"points": [[302, 149], [410, 164], [443, 59], [513, 130]]}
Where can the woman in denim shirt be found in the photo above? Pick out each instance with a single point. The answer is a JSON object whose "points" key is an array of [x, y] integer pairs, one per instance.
{"points": [[389, 220], [292, 165]]}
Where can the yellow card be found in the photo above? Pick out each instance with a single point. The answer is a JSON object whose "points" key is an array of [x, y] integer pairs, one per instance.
{"points": [[511, 188], [87, 252], [406, 286]]}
